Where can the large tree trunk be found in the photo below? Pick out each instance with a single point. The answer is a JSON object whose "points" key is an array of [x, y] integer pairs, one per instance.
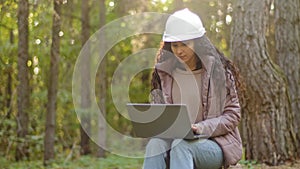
{"points": [[102, 92], [85, 81], [268, 131], [23, 86], [287, 35], [53, 84]]}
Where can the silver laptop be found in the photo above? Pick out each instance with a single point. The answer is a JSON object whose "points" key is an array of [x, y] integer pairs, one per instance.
{"points": [[161, 121]]}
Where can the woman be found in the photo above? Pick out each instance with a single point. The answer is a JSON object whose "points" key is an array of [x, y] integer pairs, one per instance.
{"points": [[191, 71]]}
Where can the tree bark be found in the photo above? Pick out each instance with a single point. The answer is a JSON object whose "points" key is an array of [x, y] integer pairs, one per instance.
{"points": [[178, 4], [268, 131], [287, 35], [9, 86], [102, 92], [23, 85], [53, 84], [85, 81]]}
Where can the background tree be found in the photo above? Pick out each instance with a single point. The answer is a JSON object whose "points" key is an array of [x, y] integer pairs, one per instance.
{"points": [[267, 118], [287, 36], [53, 84], [8, 73], [102, 79], [23, 86], [85, 81]]}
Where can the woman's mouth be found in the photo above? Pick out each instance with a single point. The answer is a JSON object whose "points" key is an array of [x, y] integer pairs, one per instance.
{"points": [[182, 57]]}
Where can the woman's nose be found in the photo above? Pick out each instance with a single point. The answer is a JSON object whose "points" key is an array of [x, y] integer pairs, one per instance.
{"points": [[179, 50]]}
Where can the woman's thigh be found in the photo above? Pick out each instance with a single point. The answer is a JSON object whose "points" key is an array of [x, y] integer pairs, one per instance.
{"points": [[157, 146]]}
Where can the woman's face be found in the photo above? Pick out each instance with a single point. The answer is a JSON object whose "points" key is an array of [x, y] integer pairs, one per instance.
{"points": [[184, 51]]}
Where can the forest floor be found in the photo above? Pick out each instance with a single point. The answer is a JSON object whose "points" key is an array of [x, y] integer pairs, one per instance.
{"points": [[249, 165], [115, 162]]}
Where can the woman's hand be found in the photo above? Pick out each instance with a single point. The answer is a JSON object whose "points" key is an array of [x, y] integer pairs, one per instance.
{"points": [[197, 128]]}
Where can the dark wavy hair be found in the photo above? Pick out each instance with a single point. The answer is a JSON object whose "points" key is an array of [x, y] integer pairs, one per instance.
{"points": [[203, 47]]}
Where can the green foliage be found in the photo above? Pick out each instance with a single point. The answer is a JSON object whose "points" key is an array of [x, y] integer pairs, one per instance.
{"points": [[139, 88]]}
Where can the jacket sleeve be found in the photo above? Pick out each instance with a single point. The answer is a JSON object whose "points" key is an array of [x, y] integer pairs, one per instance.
{"points": [[229, 118]]}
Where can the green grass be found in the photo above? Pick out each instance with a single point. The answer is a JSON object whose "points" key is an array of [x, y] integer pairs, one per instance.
{"points": [[84, 162]]}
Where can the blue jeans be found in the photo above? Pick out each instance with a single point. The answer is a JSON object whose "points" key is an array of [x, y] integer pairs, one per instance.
{"points": [[184, 154]]}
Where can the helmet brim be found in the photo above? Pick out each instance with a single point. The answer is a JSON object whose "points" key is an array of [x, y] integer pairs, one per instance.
{"points": [[184, 37]]}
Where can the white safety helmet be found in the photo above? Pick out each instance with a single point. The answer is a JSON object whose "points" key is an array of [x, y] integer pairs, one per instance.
{"points": [[183, 25]]}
